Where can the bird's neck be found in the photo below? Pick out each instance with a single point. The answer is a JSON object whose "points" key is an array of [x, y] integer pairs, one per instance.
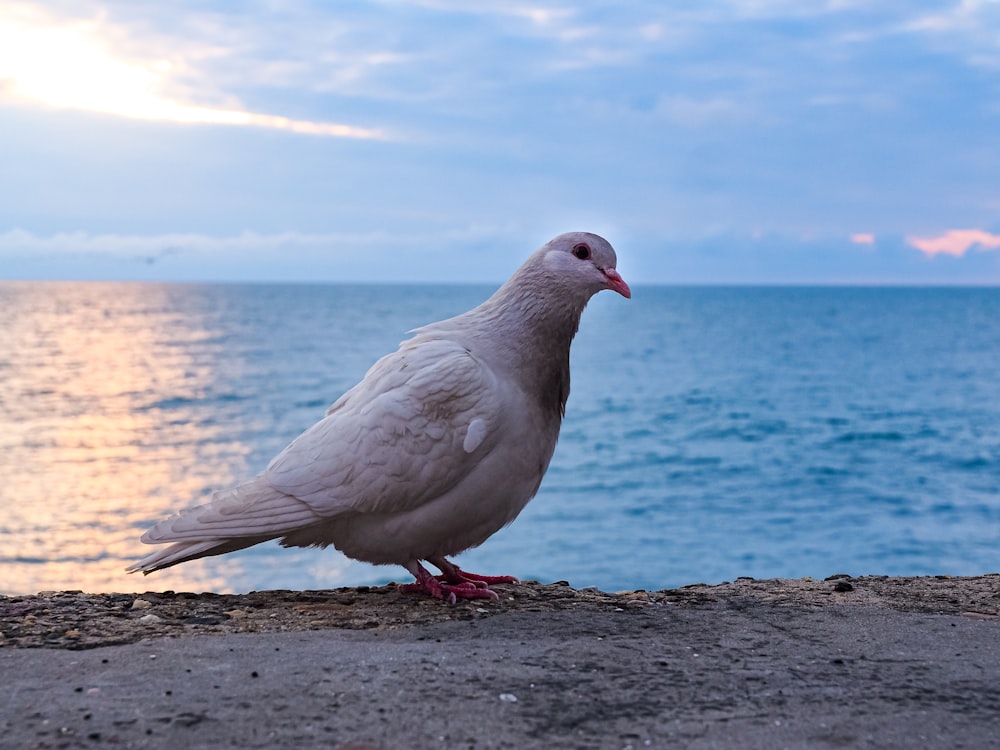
{"points": [[530, 332]]}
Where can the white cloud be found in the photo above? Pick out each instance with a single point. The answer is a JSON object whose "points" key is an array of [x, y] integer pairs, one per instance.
{"points": [[151, 247], [538, 14], [694, 112], [82, 64], [969, 29]]}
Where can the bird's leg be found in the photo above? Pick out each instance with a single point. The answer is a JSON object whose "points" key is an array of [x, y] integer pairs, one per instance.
{"points": [[440, 589], [451, 573]]}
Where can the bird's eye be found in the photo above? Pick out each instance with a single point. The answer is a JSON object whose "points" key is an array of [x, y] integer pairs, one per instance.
{"points": [[582, 251]]}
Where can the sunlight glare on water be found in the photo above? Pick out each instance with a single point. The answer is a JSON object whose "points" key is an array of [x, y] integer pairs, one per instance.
{"points": [[87, 456], [124, 402]]}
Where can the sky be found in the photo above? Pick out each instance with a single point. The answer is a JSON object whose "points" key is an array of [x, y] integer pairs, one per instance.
{"points": [[722, 141]]}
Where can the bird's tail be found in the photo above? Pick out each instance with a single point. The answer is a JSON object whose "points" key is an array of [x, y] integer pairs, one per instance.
{"points": [[234, 519], [184, 551]]}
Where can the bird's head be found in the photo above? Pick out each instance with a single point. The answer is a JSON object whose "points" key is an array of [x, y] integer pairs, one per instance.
{"points": [[584, 261]]}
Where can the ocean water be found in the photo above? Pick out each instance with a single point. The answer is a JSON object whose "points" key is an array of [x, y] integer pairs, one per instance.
{"points": [[711, 432]]}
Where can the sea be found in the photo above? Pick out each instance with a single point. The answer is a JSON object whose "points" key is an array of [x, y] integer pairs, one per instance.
{"points": [[711, 432]]}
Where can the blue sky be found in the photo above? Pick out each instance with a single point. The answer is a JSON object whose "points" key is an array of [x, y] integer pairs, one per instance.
{"points": [[747, 141]]}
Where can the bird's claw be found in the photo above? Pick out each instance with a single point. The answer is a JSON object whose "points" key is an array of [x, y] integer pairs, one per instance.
{"points": [[453, 583], [450, 593], [487, 580], [463, 582]]}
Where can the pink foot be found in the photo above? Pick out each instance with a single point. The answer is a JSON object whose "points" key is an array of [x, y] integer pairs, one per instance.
{"points": [[453, 583], [451, 573], [428, 584]]}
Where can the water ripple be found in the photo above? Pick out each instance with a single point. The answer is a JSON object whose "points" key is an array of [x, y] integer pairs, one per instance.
{"points": [[710, 433]]}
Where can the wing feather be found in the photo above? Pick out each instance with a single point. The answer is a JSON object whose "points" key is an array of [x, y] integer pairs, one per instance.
{"points": [[396, 440]]}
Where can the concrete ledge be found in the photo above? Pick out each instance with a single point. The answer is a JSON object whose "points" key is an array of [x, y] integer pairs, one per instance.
{"points": [[846, 662]]}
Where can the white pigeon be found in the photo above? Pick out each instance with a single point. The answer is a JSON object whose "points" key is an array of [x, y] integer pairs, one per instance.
{"points": [[441, 444]]}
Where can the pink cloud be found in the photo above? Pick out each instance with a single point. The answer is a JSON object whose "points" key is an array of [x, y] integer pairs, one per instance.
{"points": [[955, 242], [863, 238]]}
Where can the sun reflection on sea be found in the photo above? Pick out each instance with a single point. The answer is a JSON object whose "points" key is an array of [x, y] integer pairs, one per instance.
{"points": [[88, 452]]}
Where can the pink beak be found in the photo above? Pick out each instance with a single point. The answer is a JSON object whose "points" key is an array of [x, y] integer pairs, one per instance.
{"points": [[617, 283]]}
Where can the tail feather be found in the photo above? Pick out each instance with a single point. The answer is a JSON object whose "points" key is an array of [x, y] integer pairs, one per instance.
{"points": [[251, 509], [185, 551], [234, 519]]}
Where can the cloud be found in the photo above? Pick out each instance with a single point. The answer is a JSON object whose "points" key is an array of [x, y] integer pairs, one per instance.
{"points": [[142, 247], [967, 29], [472, 252], [694, 112], [82, 64], [863, 238], [955, 242], [774, 258]]}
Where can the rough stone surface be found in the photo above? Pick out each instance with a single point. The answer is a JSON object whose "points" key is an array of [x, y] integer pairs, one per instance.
{"points": [[845, 662], [74, 620]]}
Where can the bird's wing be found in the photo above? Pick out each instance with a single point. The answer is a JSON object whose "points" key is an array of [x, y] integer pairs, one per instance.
{"points": [[416, 426]]}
